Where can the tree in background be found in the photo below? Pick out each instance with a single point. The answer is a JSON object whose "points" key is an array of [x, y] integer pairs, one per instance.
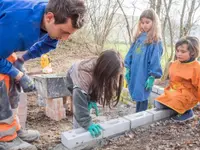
{"points": [[177, 18], [101, 15]]}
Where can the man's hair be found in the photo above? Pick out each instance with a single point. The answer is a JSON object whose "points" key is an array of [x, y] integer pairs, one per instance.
{"points": [[64, 9], [193, 45]]}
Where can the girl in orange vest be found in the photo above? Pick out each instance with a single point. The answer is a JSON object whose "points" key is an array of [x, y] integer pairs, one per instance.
{"points": [[183, 91]]}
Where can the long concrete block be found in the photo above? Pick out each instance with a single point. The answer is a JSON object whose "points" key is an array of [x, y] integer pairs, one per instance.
{"points": [[77, 138], [160, 114], [51, 85], [152, 97], [139, 119], [22, 100], [80, 138], [160, 90], [155, 89], [22, 111], [115, 126]]}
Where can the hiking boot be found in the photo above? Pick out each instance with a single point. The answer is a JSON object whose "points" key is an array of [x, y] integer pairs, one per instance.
{"points": [[188, 115], [28, 135], [16, 144]]}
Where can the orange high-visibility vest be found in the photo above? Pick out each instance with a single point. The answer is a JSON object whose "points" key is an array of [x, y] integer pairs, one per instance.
{"points": [[9, 126]]}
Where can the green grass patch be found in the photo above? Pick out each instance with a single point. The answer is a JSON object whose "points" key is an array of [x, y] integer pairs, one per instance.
{"points": [[121, 47]]}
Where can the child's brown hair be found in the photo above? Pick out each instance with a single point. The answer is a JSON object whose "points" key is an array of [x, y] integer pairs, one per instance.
{"points": [[193, 45], [107, 78]]}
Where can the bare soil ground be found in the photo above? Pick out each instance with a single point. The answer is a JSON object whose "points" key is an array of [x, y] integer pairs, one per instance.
{"points": [[163, 135]]}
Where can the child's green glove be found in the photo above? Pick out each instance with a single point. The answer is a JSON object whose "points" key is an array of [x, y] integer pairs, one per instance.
{"points": [[127, 75], [95, 130], [94, 106], [149, 83]]}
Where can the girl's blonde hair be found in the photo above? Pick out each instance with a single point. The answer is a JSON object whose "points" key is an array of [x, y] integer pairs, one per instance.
{"points": [[155, 32]]}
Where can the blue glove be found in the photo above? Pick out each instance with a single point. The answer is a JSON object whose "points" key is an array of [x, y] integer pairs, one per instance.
{"points": [[19, 64], [27, 83], [95, 130], [127, 75], [94, 106], [149, 83]]}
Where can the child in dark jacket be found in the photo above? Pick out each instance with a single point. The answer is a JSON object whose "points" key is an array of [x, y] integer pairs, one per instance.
{"points": [[91, 81]]}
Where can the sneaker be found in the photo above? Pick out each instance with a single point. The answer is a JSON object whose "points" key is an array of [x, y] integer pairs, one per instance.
{"points": [[16, 144], [188, 115], [28, 135]]}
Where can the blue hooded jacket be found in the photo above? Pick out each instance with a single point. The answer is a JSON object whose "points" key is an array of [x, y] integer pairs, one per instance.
{"points": [[20, 22], [143, 60]]}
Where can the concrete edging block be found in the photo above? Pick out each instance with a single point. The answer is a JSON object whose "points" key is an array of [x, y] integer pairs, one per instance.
{"points": [[76, 138], [115, 126], [22, 99], [160, 114], [140, 119], [79, 138], [160, 90], [155, 89]]}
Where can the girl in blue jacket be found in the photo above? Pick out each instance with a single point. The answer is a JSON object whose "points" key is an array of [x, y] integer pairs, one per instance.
{"points": [[142, 61]]}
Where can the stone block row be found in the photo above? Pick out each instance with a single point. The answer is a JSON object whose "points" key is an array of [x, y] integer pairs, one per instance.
{"points": [[78, 138]]}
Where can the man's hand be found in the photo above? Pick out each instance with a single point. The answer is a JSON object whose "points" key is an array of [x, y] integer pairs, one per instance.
{"points": [[19, 64], [27, 83]]}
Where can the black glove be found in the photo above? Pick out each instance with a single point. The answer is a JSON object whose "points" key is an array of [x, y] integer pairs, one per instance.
{"points": [[27, 83], [19, 64]]}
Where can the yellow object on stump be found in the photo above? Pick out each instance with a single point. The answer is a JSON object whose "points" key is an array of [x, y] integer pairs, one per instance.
{"points": [[45, 63]]}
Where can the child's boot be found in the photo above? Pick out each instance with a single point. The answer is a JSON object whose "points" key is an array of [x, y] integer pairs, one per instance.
{"points": [[188, 115]]}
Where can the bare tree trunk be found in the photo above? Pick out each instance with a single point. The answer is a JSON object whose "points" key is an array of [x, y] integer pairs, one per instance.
{"points": [[127, 22], [164, 27], [189, 20], [166, 70], [158, 7], [181, 19], [153, 4], [101, 14]]}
